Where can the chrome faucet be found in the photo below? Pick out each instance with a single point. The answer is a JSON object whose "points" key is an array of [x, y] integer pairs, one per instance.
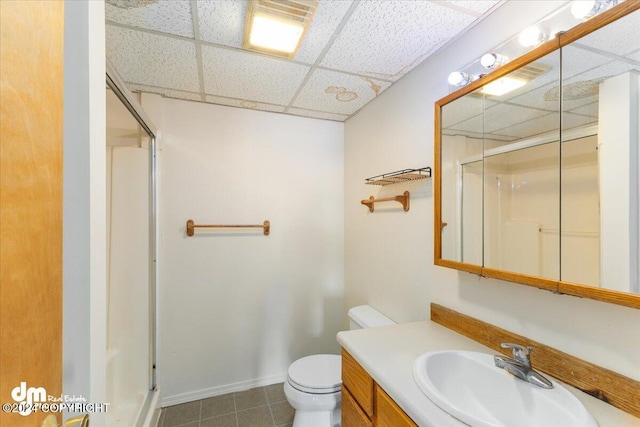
{"points": [[520, 365]]}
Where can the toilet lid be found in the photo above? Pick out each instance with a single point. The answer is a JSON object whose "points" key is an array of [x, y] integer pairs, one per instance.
{"points": [[320, 373]]}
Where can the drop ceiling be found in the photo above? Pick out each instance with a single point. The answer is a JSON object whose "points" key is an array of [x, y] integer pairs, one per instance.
{"points": [[353, 51]]}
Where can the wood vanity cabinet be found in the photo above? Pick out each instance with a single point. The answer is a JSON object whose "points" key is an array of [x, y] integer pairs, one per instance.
{"points": [[365, 403]]}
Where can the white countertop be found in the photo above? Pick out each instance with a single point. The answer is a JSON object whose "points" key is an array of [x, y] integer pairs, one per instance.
{"points": [[387, 354]]}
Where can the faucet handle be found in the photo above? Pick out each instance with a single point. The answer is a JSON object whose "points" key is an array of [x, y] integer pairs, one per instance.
{"points": [[520, 353]]}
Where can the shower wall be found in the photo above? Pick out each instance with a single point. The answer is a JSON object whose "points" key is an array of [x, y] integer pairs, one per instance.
{"points": [[128, 334], [522, 195]]}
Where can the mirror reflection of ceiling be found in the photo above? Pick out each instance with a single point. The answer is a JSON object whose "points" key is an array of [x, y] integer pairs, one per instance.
{"points": [[353, 51], [531, 110]]}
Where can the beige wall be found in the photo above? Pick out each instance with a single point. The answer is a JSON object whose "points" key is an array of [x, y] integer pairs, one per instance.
{"points": [[237, 307]]}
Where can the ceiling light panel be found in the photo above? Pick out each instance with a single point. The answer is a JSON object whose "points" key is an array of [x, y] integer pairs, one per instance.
{"points": [[372, 44], [336, 92], [277, 27], [153, 60], [234, 74], [222, 22], [166, 16]]}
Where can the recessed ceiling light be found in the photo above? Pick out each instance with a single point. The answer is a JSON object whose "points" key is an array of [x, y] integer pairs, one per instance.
{"points": [[277, 27], [503, 85]]}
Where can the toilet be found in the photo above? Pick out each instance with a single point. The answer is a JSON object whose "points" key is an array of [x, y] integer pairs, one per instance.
{"points": [[313, 382]]}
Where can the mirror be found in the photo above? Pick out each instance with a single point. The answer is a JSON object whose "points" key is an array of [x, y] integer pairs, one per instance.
{"points": [[600, 75], [538, 183]]}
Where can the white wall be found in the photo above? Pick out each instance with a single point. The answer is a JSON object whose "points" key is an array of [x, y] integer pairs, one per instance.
{"points": [[389, 258], [237, 307], [84, 230]]}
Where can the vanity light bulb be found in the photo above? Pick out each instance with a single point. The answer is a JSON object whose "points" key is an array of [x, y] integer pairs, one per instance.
{"points": [[458, 78], [492, 61], [531, 36], [585, 9]]}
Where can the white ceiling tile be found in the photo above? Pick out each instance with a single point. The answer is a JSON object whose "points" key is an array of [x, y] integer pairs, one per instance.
{"points": [[167, 16], [634, 55], [189, 96], [479, 7], [590, 110], [462, 109], [152, 60], [576, 61], [504, 115], [544, 124], [317, 114], [338, 92], [253, 77], [326, 20], [244, 104], [536, 98], [372, 43], [570, 121], [616, 37], [222, 21]]}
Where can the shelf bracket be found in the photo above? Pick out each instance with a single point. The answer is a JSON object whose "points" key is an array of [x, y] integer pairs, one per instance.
{"points": [[402, 199]]}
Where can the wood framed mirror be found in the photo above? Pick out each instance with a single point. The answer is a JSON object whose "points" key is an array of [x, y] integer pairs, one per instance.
{"points": [[539, 185]]}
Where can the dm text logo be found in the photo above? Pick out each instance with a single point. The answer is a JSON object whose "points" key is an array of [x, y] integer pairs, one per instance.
{"points": [[30, 396]]}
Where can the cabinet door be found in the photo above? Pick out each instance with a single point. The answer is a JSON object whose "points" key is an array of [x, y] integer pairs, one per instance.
{"points": [[358, 382], [352, 415], [388, 413]]}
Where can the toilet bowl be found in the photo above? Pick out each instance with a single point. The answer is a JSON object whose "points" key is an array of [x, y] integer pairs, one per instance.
{"points": [[314, 382]]}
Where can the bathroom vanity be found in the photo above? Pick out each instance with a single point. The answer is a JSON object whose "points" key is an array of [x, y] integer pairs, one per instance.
{"points": [[379, 389], [364, 401]]}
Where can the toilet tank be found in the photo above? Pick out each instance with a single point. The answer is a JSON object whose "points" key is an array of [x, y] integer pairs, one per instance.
{"points": [[365, 316]]}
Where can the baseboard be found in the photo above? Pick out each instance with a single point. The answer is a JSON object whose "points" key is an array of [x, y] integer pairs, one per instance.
{"points": [[153, 412], [223, 389]]}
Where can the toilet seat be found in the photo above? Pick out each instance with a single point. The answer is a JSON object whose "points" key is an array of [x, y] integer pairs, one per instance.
{"points": [[316, 374]]}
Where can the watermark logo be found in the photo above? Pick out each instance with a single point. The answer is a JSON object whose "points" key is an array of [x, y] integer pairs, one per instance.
{"points": [[34, 399], [29, 397]]}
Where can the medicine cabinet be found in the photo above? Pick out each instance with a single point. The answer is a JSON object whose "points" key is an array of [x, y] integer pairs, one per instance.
{"points": [[539, 185]]}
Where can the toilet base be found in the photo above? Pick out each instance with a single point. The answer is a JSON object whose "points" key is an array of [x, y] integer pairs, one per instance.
{"points": [[317, 419], [320, 410]]}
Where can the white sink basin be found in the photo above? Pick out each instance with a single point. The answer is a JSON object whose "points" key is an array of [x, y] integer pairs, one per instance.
{"points": [[469, 387]]}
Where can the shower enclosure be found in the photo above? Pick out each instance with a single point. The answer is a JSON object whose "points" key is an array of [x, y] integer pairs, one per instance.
{"points": [[131, 258]]}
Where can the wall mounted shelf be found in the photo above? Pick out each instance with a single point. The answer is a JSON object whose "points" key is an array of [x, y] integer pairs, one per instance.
{"points": [[191, 226], [399, 176], [402, 199]]}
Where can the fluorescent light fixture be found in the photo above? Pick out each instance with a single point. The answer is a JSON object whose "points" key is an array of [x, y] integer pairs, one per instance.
{"points": [[492, 61], [503, 85], [458, 78], [531, 36], [275, 34], [277, 27]]}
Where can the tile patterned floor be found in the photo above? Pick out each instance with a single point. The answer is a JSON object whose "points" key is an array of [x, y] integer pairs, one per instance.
{"points": [[258, 407]]}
